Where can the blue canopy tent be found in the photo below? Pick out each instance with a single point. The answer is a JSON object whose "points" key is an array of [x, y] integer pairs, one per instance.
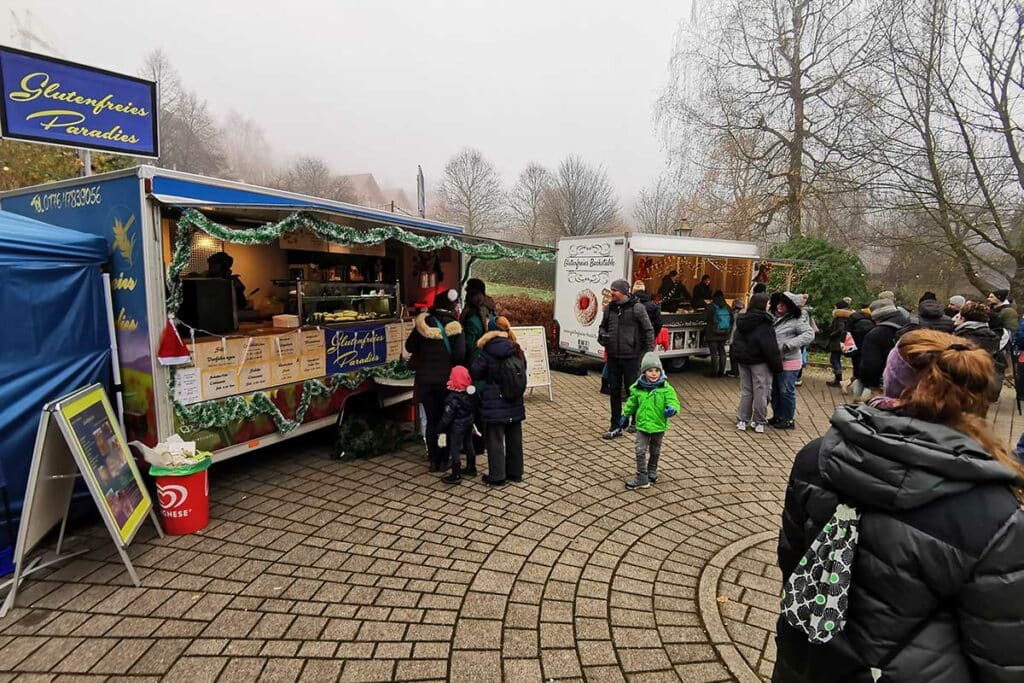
{"points": [[53, 331]]}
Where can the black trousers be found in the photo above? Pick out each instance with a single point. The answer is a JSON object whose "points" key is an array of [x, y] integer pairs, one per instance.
{"points": [[622, 372], [460, 442], [504, 450], [432, 397]]}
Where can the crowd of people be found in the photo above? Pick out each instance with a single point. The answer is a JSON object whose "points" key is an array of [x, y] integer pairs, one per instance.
{"points": [[470, 382]]}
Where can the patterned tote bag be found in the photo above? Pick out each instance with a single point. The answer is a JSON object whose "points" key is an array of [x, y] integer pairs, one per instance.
{"points": [[816, 594]]}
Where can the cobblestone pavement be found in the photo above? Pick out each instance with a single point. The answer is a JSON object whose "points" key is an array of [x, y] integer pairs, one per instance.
{"points": [[376, 571]]}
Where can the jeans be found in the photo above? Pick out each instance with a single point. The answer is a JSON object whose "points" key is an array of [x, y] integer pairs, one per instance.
{"points": [[645, 442], [784, 395], [717, 349], [622, 372], [835, 359], [504, 450], [755, 388]]}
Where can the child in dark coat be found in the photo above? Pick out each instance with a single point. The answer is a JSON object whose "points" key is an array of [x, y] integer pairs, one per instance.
{"points": [[456, 426]]}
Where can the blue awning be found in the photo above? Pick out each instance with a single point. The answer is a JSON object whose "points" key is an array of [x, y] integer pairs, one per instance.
{"points": [[208, 196]]}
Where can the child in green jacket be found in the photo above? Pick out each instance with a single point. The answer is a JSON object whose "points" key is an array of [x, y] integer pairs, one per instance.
{"points": [[653, 400]]}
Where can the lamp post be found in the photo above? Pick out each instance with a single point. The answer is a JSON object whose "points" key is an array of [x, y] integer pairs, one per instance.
{"points": [[684, 229]]}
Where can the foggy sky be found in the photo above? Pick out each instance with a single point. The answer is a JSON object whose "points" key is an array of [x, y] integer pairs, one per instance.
{"points": [[382, 85]]}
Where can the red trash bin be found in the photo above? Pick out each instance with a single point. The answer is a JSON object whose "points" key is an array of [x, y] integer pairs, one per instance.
{"points": [[184, 498]]}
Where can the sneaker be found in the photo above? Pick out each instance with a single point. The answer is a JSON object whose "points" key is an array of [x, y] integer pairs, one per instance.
{"points": [[631, 429], [759, 428], [612, 434], [452, 479], [641, 482], [772, 421], [652, 476], [741, 426], [799, 382], [785, 425]]}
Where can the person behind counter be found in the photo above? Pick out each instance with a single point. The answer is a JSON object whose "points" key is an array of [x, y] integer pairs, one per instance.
{"points": [[702, 292], [437, 345], [668, 283], [219, 265]]}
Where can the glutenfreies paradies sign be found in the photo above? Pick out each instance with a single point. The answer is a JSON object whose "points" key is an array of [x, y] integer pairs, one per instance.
{"points": [[62, 103]]}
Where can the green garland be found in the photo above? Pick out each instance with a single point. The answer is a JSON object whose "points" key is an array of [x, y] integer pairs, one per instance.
{"points": [[220, 413], [192, 220]]}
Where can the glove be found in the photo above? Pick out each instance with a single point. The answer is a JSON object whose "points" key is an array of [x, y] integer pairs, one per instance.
{"points": [[476, 432], [442, 440], [670, 411], [623, 421]]}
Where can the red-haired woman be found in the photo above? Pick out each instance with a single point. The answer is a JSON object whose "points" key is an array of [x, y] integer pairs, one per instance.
{"points": [[902, 543]]}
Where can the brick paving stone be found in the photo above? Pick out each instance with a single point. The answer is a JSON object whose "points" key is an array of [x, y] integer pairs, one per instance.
{"points": [[242, 669], [472, 666], [197, 669]]}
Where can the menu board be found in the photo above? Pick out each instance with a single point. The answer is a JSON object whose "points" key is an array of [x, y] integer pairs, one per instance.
{"points": [[187, 386], [219, 383], [533, 341], [395, 335]]}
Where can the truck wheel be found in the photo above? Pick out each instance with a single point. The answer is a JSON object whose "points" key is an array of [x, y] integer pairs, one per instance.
{"points": [[677, 364]]}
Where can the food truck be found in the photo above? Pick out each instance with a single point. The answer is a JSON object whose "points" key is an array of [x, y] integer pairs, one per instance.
{"points": [[586, 267], [311, 305]]}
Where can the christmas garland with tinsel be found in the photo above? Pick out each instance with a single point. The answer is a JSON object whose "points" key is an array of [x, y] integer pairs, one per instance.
{"points": [[192, 220], [220, 413]]}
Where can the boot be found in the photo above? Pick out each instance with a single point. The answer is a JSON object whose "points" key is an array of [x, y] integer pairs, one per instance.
{"points": [[454, 477], [837, 382]]}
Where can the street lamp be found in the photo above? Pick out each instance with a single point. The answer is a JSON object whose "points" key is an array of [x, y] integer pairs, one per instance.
{"points": [[683, 230]]}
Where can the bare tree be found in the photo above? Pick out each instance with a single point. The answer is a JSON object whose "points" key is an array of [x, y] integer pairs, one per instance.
{"points": [[944, 134], [247, 154], [526, 203], [581, 200], [312, 176], [767, 81], [156, 66], [658, 208], [470, 193]]}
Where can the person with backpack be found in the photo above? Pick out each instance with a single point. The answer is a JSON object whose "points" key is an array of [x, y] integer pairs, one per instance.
{"points": [[792, 333], [758, 358], [501, 366], [902, 533], [859, 324], [972, 323], [653, 401], [456, 427], [879, 342], [626, 334], [719, 319], [836, 336], [437, 345]]}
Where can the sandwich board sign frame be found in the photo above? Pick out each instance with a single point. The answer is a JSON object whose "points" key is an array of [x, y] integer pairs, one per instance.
{"points": [[534, 342], [79, 436]]}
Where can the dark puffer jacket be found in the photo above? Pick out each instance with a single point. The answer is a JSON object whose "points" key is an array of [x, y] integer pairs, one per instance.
{"points": [[877, 345], [938, 578], [626, 330], [653, 311], [754, 342], [929, 317], [430, 358], [987, 339], [459, 411], [495, 346]]}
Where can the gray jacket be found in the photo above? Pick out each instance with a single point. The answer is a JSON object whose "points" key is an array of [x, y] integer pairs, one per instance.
{"points": [[626, 330], [793, 334]]}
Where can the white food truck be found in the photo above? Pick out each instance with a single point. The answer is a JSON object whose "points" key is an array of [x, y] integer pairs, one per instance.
{"points": [[669, 266]]}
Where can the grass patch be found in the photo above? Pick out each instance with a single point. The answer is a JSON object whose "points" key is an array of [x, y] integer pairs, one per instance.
{"points": [[495, 289]]}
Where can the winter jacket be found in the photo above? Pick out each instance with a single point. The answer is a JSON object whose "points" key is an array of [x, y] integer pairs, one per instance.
{"points": [[792, 333], [711, 332], [929, 317], [701, 294], [626, 330], [430, 358], [648, 401], [837, 330], [1018, 339], [1004, 317], [875, 351], [478, 311], [938, 576], [987, 339], [653, 311], [494, 347], [459, 410], [755, 341]]}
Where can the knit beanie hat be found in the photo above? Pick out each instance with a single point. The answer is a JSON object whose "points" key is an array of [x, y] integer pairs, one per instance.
{"points": [[882, 308], [1002, 294], [957, 301], [898, 374], [620, 286], [887, 294], [650, 360], [475, 285], [459, 380]]}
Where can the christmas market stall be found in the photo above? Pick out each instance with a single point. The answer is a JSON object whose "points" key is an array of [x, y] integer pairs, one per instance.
{"points": [[246, 315]]}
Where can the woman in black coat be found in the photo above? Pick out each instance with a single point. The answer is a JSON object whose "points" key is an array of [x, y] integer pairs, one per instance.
{"points": [[936, 585], [503, 417], [436, 344]]}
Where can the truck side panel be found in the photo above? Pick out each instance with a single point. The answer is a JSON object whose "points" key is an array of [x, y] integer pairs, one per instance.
{"points": [[585, 270], [112, 209]]}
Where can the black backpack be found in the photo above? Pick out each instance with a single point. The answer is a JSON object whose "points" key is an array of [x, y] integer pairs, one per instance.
{"points": [[511, 379]]}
